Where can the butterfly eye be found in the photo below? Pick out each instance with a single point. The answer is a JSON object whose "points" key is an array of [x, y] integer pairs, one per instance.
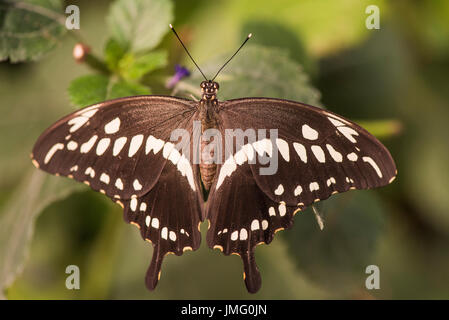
{"points": [[203, 84], [216, 86]]}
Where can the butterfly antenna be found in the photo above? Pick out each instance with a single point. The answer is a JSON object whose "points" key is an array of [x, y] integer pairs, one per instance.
{"points": [[174, 31], [247, 38]]}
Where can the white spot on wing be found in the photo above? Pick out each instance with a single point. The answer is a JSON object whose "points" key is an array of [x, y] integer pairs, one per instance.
{"points": [[143, 206], [105, 178], [334, 154], [119, 184], [263, 146], [164, 233], [271, 212], [330, 181], [112, 126], [135, 144], [240, 157], [374, 165], [77, 123], [168, 147], [234, 235], [319, 153], [255, 225], [301, 151], [282, 209], [153, 144], [147, 220], [72, 145], [85, 147], [279, 190], [243, 234], [314, 186], [309, 133], [90, 172], [52, 151], [174, 156], [155, 223], [348, 133], [186, 170], [249, 151], [102, 146], [264, 224], [133, 204], [297, 191], [172, 236], [226, 170], [335, 122], [335, 117], [89, 113], [283, 149], [349, 180], [352, 156], [118, 145], [136, 185]]}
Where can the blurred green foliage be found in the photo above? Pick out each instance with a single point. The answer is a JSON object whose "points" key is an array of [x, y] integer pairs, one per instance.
{"points": [[392, 80], [29, 29]]}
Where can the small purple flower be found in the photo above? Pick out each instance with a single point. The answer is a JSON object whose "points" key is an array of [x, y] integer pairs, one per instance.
{"points": [[180, 72]]}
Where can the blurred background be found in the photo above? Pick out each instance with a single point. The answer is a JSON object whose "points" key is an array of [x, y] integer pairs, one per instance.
{"points": [[392, 80]]}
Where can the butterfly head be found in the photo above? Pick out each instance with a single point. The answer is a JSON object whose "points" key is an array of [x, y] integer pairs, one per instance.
{"points": [[209, 90]]}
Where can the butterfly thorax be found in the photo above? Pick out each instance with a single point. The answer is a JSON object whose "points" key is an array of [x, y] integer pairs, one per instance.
{"points": [[208, 106]]}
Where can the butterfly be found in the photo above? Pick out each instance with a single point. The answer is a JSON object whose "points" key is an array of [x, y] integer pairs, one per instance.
{"points": [[124, 148]]}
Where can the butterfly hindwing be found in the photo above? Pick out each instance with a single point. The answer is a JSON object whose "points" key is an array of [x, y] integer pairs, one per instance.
{"points": [[241, 217], [167, 216]]}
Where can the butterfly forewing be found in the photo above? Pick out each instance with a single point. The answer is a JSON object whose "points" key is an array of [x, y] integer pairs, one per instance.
{"points": [[318, 153], [115, 146]]}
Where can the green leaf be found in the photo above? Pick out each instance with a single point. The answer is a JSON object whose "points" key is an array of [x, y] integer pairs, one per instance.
{"points": [[29, 29], [338, 256], [125, 89], [139, 25], [132, 67], [113, 52], [257, 72], [17, 217], [90, 89], [87, 90]]}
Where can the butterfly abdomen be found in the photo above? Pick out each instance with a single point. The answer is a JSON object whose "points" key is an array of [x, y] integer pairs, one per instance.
{"points": [[208, 104], [208, 167]]}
